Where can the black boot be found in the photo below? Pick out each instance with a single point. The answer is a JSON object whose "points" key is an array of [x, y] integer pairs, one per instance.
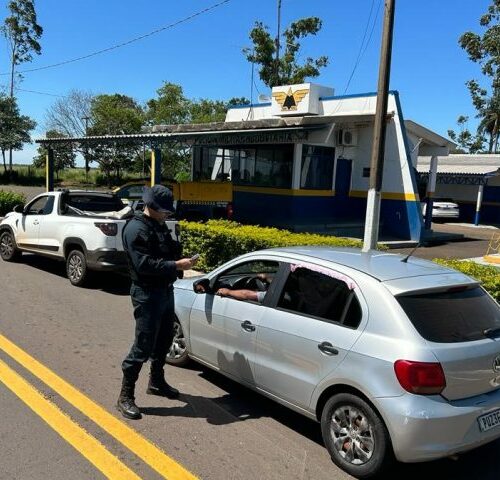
{"points": [[158, 386], [126, 401]]}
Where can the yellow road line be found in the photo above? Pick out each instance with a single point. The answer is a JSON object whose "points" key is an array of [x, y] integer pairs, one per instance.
{"points": [[75, 435], [143, 448]]}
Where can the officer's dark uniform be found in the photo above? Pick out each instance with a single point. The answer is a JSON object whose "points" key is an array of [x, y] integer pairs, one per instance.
{"points": [[151, 254]]}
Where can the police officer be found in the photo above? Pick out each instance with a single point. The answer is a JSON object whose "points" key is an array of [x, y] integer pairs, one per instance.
{"points": [[154, 263]]}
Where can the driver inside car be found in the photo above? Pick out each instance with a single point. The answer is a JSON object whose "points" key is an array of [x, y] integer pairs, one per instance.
{"points": [[263, 279]]}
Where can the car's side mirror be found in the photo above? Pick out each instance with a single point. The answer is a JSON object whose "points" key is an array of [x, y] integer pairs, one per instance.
{"points": [[19, 209], [202, 286]]}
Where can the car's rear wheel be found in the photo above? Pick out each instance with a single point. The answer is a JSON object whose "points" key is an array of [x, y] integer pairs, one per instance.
{"points": [[8, 248], [178, 354], [355, 436], [76, 268]]}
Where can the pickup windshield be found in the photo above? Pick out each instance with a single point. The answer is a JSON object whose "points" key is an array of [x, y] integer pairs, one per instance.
{"points": [[453, 316]]}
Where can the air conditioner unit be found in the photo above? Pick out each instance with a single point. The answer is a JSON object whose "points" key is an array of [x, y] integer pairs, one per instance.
{"points": [[347, 138]]}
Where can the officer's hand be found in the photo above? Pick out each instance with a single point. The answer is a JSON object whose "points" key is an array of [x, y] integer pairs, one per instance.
{"points": [[184, 264]]}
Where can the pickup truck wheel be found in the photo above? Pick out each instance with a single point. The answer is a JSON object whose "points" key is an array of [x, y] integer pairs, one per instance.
{"points": [[177, 354], [76, 268], [8, 249]]}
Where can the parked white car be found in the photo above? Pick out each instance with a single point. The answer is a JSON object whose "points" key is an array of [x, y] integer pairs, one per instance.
{"points": [[442, 208], [82, 228], [393, 356]]}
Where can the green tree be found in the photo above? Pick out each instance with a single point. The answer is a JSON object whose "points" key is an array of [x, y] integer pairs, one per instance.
{"points": [[284, 69], [205, 111], [484, 50], [466, 141], [64, 155], [115, 115], [238, 101], [170, 107], [14, 127], [22, 32]]}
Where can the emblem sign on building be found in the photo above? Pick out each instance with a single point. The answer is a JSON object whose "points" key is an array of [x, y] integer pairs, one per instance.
{"points": [[302, 99]]}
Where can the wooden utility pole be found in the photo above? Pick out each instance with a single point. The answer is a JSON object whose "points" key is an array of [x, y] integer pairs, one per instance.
{"points": [[379, 130]]}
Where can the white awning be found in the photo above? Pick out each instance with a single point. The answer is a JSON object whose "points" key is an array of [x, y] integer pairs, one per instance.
{"points": [[462, 164]]}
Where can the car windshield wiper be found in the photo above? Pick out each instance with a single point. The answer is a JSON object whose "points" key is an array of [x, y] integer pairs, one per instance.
{"points": [[492, 332]]}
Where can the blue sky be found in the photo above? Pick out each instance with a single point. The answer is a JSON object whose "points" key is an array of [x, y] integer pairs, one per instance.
{"points": [[204, 55]]}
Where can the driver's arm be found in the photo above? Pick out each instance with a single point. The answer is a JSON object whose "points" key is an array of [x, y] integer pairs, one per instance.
{"points": [[238, 294]]}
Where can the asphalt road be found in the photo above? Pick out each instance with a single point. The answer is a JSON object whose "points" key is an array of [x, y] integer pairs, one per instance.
{"points": [[216, 430], [473, 244]]}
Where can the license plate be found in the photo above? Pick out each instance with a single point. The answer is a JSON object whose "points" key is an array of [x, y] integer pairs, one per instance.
{"points": [[489, 421]]}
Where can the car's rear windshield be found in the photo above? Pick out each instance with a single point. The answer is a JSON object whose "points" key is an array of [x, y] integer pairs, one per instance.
{"points": [[453, 316], [94, 203]]}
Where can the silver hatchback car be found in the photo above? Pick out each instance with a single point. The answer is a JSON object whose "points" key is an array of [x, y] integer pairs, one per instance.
{"points": [[395, 357]]}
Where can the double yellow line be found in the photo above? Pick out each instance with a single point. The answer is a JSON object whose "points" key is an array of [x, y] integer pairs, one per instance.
{"points": [[75, 435]]}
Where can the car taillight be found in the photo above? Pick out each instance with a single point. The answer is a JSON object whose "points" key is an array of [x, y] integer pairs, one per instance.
{"points": [[421, 378], [229, 211], [109, 229]]}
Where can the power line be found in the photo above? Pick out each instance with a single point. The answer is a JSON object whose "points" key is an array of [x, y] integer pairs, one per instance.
{"points": [[361, 49], [128, 42], [373, 27], [42, 93]]}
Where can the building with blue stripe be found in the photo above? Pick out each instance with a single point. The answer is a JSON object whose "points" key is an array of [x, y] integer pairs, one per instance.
{"points": [[302, 162]]}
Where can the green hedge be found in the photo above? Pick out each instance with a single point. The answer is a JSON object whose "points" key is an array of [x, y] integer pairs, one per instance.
{"points": [[8, 200], [218, 241], [488, 276]]}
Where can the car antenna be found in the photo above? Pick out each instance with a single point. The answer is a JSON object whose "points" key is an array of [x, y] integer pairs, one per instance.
{"points": [[405, 260]]}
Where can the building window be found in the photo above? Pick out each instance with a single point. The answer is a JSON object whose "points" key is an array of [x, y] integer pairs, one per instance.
{"points": [[366, 172], [316, 171], [211, 163], [259, 165]]}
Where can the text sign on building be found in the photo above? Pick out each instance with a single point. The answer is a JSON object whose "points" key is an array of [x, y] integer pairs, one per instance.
{"points": [[302, 99], [252, 138]]}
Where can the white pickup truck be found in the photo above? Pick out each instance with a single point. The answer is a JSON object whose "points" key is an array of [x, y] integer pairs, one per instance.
{"points": [[82, 228]]}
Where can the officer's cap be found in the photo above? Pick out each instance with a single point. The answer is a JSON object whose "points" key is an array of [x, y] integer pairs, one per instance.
{"points": [[158, 198]]}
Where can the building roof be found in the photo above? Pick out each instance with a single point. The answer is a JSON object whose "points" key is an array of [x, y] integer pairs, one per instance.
{"points": [[186, 132], [428, 136], [463, 164], [191, 131]]}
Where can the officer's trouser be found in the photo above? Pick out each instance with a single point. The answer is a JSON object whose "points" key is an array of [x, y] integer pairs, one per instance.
{"points": [[154, 316]]}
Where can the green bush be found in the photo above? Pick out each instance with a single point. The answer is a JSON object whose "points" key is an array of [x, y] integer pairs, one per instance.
{"points": [[218, 241], [8, 200], [488, 276]]}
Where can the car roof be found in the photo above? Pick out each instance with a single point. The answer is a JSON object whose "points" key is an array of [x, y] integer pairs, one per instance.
{"points": [[383, 266]]}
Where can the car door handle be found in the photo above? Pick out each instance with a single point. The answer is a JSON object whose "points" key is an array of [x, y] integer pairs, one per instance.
{"points": [[36, 222], [248, 326], [327, 348]]}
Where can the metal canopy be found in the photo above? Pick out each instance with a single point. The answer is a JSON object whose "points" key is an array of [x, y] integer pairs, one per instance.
{"points": [[460, 178], [281, 134]]}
